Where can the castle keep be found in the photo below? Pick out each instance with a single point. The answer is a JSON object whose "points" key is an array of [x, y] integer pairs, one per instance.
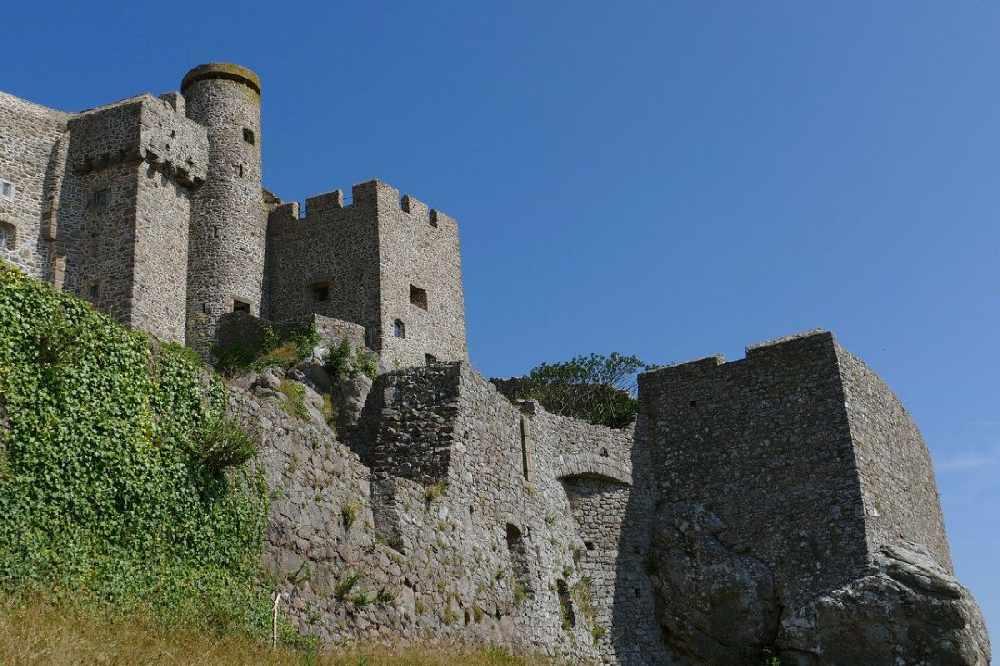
{"points": [[152, 208], [780, 505]]}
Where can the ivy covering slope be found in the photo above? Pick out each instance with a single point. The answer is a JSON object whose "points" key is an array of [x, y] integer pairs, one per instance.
{"points": [[112, 485]]}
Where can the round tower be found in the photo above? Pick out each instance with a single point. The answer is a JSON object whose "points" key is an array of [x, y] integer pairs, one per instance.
{"points": [[228, 218]]}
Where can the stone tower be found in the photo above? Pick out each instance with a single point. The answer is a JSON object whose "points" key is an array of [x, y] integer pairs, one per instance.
{"points": [[228, 219]]}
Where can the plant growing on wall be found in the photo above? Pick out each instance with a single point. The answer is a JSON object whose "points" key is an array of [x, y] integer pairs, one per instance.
{"points": [[123, 481]]}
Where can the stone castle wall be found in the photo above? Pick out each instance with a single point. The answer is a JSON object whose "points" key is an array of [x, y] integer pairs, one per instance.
{"points": [[377, 260], [758, 438], [897, 478], [327, 261], [124, 211], [465, 512], [228, 215], [31, 159], [421, 282], [145, 201]]}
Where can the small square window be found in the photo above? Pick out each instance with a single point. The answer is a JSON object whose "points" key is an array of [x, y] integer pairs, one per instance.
{"points": [[241, 306], [320, 291], [430, 359], [418, 297], [248, 136]]}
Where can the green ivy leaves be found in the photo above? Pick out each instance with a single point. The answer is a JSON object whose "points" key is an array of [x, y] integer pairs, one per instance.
{"points": [[106, 484]]}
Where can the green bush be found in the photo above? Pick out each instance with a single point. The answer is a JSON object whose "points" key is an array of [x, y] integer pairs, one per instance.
{"points": [[295, 394], [345, 362], [115, 489], [225, 444]]}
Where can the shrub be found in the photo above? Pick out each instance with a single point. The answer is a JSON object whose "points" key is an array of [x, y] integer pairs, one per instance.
{"points": [[295, 404], [345, 585], [350, 513], [435, 491], [345, 362], [225, 444]]}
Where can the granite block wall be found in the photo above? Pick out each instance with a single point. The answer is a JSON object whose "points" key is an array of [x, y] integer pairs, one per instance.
{"points": [[764, 445], [387, 263], [228, 214], [421, 282], [893, 464], [32, 142], [325, 263], [475, 545]]}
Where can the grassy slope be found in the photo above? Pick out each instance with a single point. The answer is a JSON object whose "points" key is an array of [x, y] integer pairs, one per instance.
{"points": [[36, 633]]}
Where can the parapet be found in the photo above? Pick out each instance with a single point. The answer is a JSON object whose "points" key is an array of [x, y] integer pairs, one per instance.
{"points": [[223, 70], [787, 346], [372, 194], [140, 128]]}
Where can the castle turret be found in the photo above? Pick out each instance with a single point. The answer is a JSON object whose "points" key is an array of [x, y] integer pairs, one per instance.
{"points": [[228, 219]]}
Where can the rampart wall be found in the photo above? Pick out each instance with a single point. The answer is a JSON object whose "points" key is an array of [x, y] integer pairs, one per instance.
{"points": [[465, 513], [894, 466], [31, 158]]}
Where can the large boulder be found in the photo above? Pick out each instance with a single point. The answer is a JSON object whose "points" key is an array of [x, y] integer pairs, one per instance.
{"points": [[907, 611], [714, 606]]}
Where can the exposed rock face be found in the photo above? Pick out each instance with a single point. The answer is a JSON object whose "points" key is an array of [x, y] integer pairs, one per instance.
{"points": [[907, 611], [715, 606]]}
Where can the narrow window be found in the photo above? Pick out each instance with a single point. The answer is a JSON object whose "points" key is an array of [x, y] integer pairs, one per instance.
{"points": [[524, 449], [418, 297], [7, 189], [320, 292], [215, 232], [94, 292], [248, 136], [398, 329], [430, 359], [8, 236], [241, 306], [99, 199]]}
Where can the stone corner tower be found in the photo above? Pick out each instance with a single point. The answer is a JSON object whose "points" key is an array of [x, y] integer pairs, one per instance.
{"points": [[228, 217]]}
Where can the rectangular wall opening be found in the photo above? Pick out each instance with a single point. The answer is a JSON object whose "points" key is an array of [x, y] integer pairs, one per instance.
{"points": [[418, 297]]}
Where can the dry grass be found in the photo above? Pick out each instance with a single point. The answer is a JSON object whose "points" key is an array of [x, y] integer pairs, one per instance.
{"points": [[36, 633]]}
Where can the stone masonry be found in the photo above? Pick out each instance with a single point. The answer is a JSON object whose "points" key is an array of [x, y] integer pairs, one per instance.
{"points": [[778, 506], [152, 208]]}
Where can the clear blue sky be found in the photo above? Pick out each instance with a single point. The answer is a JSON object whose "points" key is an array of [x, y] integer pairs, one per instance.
{"points": [[660, 178]]}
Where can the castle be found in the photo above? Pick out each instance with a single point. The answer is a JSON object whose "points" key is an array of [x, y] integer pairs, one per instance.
{"points": [[782, 505], [152, 209]]}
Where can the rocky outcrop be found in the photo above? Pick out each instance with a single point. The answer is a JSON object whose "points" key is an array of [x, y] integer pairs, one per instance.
{"points": [[714, 606], [906, 611], [717, 606]]}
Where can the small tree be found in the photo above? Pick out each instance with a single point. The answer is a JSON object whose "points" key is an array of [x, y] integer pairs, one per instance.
{"points": [[596, 388]]}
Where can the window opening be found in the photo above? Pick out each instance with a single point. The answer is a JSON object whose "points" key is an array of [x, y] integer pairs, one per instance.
{"points": [[418, 297]]}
